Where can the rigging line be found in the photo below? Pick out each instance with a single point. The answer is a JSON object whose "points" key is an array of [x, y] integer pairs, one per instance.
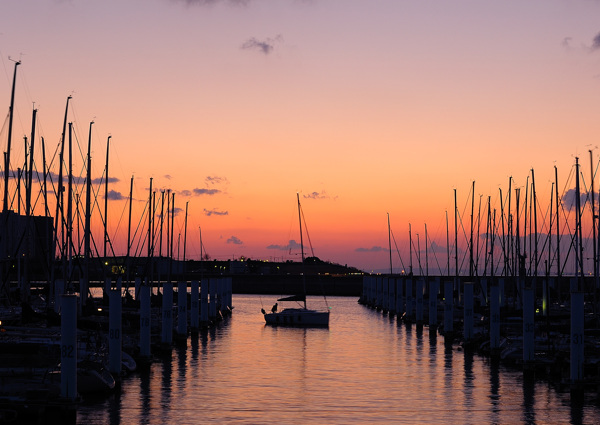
{"points": [[397, 250], [434, 254], [306, 231]]}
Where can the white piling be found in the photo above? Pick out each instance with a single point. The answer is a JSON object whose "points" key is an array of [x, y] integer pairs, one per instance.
{"points": [[577, 322], [494, 316], [468, 311], [204, 301], [372, 291], [448, 307], [419, 300], [182, 309], [145, 324], [545, 286], [195, 306], [392, 295], [386, 294], [528, 325], [68, 347], [212, 306], [433, 301], [409, 299], [400, 296], [114, 333], [167, 314], [379, 303]]}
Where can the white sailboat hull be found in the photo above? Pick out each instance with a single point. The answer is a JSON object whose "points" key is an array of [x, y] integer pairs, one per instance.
{"points": [[298, 317]]}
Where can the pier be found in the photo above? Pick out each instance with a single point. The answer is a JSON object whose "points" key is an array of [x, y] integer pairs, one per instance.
{"points": [[523, 324]]}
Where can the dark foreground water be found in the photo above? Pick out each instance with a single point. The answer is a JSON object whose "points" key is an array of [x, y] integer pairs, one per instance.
{"points": [[365, 368]]}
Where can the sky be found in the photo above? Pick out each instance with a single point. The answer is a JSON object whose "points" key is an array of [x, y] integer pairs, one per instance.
{"points": [[364, 108]]}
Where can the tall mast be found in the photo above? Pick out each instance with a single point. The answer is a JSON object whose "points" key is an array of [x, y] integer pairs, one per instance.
{"points": [[88, 213], [558, 268], [471, 260], [129, 228], [302, 250], [594, 224], [578, 238], [535, 235], [390, 243], [106, 198], [410, 249], [7, 157], [30, 171], [59, 196], [70, 204], [448, 242]]}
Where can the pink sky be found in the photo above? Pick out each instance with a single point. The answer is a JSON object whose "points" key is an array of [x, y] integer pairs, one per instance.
{"points": [[365, 108]]}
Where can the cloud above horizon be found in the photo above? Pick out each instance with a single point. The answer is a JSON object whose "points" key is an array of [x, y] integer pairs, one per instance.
{"points": [[235, 240], [596, 42], [115, 196], [291, 245], [372, 249], [214, 211], [265, 46]]}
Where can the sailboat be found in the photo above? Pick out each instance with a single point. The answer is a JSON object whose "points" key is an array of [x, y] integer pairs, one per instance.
{"points": [[297, 316]]}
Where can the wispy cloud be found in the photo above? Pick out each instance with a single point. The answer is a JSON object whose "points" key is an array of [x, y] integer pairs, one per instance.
{"points": [[101, 180], [215, 180], [291, 245], [208, 213], [235, 240], [212, 2], [263, 46], [596, 42], [198, 191], [318, 195], [372, 249]]}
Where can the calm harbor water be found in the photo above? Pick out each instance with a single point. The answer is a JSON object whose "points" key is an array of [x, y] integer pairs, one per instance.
{"points": [[365, 368]]}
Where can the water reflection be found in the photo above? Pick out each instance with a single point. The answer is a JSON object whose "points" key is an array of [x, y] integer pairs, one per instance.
{"points": [[365, 368]]}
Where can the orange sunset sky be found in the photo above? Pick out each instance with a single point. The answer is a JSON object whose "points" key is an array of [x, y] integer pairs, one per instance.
{"points": [[363, 107]]}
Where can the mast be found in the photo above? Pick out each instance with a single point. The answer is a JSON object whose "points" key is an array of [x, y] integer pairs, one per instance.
{"points": [[448, 243], [578, 238], [535, 235], [106, 198], [390, 243], [594, 226], [30, 171], [88, 213], [455, 242], [302, 250], [471, 260], [558, 268], [410, 265], [59, 196], [69, 207], [10, 122], [129, 228]]}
